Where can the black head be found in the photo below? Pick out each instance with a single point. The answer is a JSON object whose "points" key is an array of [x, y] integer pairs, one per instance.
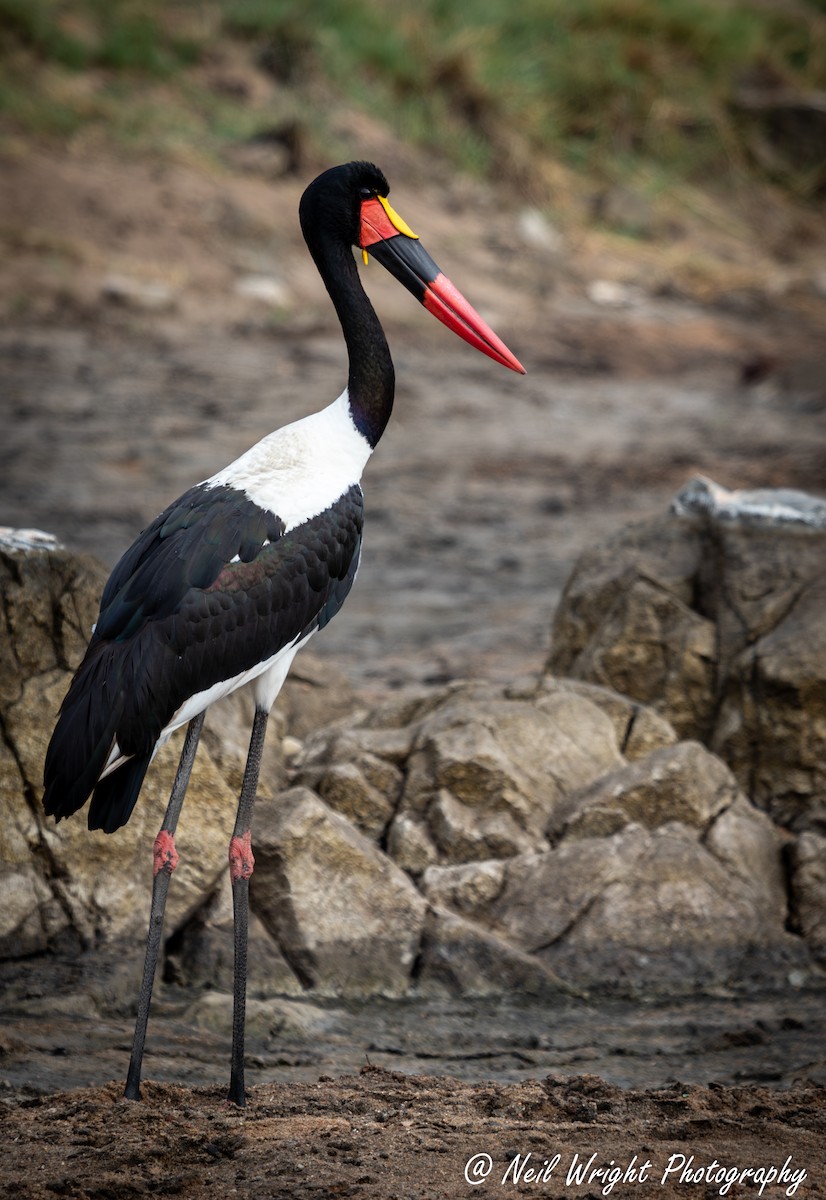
{"points": [[348, 206], [332, 202]]}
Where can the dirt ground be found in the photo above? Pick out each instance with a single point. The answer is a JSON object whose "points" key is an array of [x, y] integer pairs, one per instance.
{"points": [[388, 1135], [481, 495]]}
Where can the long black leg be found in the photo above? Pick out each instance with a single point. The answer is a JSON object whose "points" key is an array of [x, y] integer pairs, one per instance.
{"points": [[165, 860], [241, 865]]}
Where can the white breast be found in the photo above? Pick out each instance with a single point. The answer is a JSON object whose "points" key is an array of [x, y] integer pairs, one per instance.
{"points": [[300, 470]]}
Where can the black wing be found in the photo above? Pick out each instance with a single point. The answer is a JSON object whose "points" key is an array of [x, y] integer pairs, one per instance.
{"points": [[211, 589], [185, 547]]}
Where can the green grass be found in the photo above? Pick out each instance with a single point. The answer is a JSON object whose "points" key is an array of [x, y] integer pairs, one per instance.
{"points": [[605, 85], [122, 34]]}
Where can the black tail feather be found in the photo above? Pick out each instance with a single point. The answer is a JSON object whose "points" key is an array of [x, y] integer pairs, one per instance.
{"points": [[117, 794], [83, 738], [76, 756]]}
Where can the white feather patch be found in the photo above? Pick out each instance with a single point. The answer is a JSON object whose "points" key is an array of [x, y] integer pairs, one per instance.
{"points": [[299, 471]]}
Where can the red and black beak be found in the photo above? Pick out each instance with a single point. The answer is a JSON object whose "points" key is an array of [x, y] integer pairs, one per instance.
{"points": [[386, 236]]}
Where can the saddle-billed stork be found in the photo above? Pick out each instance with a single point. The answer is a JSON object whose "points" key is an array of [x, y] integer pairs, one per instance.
{"points": [[230, 580]]}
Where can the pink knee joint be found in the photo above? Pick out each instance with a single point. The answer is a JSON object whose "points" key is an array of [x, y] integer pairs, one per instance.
{"points": [[165, 856], [241, 861]]}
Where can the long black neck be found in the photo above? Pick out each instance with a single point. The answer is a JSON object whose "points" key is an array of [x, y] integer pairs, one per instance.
{"points": [[371, 381]]}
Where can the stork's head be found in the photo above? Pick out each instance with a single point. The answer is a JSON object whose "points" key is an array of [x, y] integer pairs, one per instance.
{"points": [[350, 202]]}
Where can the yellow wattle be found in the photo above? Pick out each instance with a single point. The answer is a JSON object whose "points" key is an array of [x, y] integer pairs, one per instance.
{"points": [[397, 221]]}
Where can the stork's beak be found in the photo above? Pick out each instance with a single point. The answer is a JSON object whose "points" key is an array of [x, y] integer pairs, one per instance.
{"points": [[390, 240]]}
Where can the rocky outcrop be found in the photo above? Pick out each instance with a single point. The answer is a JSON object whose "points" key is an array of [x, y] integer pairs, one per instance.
{"points": [[640, 909], [565, 838], [474, 839], [346, 918], [713, 615], [474, 772], [808, 868]]}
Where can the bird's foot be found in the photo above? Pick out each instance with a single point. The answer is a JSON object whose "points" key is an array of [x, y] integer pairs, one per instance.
{"points": [[237, 1095]]}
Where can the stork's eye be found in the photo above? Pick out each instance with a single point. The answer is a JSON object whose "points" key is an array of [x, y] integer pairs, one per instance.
{"points": [[367, 193]]}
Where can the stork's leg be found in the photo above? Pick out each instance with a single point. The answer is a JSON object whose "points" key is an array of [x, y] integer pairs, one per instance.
{"points": [[241, 864], [166, 860]]}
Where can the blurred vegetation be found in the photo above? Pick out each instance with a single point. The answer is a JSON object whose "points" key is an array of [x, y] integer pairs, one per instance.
{"points": [[495, 86]]}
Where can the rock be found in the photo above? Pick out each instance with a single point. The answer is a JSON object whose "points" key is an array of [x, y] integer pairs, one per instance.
{"points": [[272, 1020], [343, 767], [713, 617], [638, 728], [625, 622], [520, 816], [768, 507], [772, 720], [677, 783], [50, 602], [471, 889], [652, 647], [752, 849], [610, 293], [483, 771], [201, 952], [27, 539], [808, 870], [471, 839], [32, 916], [632, 911], [460, 958], [147, 294], [264, 288], [537, 232], [346, 919], [672, 912]]}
